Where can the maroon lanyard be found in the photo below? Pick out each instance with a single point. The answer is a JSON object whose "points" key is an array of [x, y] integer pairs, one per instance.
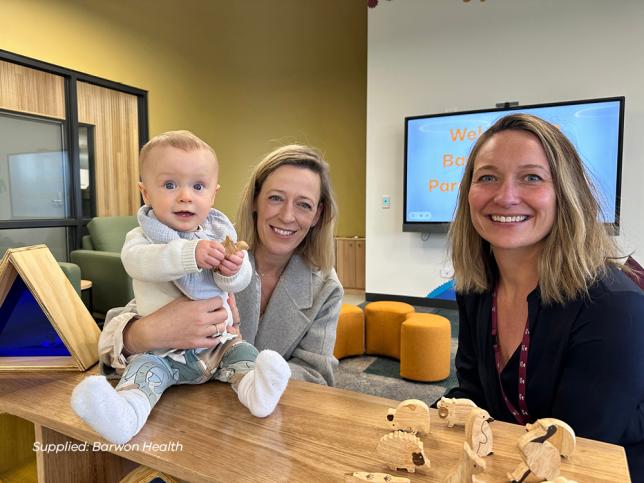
{"points": [[523, 416]]}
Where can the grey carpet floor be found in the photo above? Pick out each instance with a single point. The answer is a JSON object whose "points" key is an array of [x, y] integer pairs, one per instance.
{"points": [[379, 376]]}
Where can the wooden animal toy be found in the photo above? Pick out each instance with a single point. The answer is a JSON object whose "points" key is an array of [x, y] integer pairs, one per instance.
{"points": [[540, 457], [358, 476], [564, 439], [478, 433], [403, 451], [231, 247], [467, 468], [411, 416], [560, 479], [454, 410]]}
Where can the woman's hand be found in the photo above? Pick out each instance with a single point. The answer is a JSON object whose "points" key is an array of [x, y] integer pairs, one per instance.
{"points": [[181, 324]]}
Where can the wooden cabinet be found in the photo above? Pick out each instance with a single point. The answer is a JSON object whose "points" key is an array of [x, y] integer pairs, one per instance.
{"points": [[350, 262]]}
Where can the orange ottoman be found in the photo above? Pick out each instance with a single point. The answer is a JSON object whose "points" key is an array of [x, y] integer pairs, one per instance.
{"points": [[425, 347], [383, 321], [349, 336]]}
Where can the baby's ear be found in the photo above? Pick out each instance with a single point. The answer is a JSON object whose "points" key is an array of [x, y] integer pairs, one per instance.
{"points": [[143, 191]]}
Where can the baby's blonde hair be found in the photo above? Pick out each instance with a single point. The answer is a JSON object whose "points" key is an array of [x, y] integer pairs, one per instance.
{"points": [[183, 140]]}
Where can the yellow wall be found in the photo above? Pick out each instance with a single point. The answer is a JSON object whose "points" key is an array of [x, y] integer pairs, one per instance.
{"points": [[245, 75]]}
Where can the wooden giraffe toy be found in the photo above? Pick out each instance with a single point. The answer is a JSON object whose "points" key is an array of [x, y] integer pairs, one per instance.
{"points": [[467, 468]]}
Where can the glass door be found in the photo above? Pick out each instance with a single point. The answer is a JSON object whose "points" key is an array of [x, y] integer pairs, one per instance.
{"points": [[35, 187]]}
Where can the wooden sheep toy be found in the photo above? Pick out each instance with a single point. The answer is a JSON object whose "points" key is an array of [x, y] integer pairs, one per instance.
{"points": [[454, 410], [400, 450], [467, 468], [478, 433], [539, 456], [563, 439], [411, 416], [358, 476]]}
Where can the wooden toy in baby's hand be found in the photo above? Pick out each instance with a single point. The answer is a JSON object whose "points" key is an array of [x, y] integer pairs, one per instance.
{"points": [[231, 247]]}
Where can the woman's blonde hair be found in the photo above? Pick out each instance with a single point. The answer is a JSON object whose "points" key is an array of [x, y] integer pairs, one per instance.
{"points": [[317, 248], [578, 248]]}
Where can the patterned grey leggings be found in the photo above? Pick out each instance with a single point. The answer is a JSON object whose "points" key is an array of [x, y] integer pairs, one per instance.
{"points": [[153, 374]]}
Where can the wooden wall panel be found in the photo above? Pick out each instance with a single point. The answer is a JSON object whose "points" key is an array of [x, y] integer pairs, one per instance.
{"points": [[116, 147], [360, 263], [31, 91], [16, 444], [350, 262]]}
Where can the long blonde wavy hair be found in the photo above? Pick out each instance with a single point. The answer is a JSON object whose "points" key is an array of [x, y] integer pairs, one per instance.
{"points": [[578, 249], [317, 248]]}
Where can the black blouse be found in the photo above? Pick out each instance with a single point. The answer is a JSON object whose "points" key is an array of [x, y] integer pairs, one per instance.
{"points": [[585, 364]]}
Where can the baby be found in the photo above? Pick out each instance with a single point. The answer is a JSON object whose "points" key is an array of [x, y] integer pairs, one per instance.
{"points": [[175, 251]]}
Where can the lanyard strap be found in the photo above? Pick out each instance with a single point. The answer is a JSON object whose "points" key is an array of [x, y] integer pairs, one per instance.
{"points": [[521, 417]]}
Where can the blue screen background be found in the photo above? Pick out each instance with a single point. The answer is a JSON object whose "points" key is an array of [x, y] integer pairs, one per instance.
{"points": [[593, 128]]}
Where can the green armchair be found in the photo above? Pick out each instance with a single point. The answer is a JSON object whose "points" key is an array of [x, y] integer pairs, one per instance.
{"points": [[100, 261]]}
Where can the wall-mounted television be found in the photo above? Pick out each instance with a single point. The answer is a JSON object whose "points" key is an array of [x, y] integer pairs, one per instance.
{"points": [[437, 147]]}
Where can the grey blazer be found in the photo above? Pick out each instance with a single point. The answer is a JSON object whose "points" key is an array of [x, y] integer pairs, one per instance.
{"points": [[299, 321]]}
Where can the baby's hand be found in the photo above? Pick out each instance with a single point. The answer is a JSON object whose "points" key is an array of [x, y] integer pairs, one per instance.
{"points": [[231, 264], [209, 254]]}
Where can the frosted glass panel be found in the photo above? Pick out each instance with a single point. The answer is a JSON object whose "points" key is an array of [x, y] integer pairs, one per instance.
{"points": [[54, 238], [34, 169]]}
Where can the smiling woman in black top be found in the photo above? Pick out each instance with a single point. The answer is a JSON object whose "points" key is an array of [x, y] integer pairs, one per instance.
{"points": [[550, 326]]}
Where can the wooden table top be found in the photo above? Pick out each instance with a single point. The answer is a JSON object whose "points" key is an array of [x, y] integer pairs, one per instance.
{"points": [[316, 434]]}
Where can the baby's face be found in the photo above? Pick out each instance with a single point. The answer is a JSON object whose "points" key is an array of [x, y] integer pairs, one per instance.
{"points": [[180, 186]]}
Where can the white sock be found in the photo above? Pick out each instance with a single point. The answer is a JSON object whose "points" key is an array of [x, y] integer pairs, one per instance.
{"points": [[260, 389], [115, 415]]}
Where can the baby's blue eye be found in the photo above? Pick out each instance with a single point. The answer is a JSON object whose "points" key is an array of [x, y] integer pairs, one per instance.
{"points": [[198, 187], [169, 185]]}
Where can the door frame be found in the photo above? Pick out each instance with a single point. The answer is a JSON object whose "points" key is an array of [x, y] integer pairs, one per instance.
{"points": [[76, 223]]}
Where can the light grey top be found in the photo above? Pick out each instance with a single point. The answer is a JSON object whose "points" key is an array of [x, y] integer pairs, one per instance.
{"points": [[299, 321]]}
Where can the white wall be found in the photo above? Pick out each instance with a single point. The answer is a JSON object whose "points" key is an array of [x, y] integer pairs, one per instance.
{"points": [[432, 56]]}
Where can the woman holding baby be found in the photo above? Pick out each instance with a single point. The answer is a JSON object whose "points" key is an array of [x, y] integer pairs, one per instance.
{"points": [[291, 305]]}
